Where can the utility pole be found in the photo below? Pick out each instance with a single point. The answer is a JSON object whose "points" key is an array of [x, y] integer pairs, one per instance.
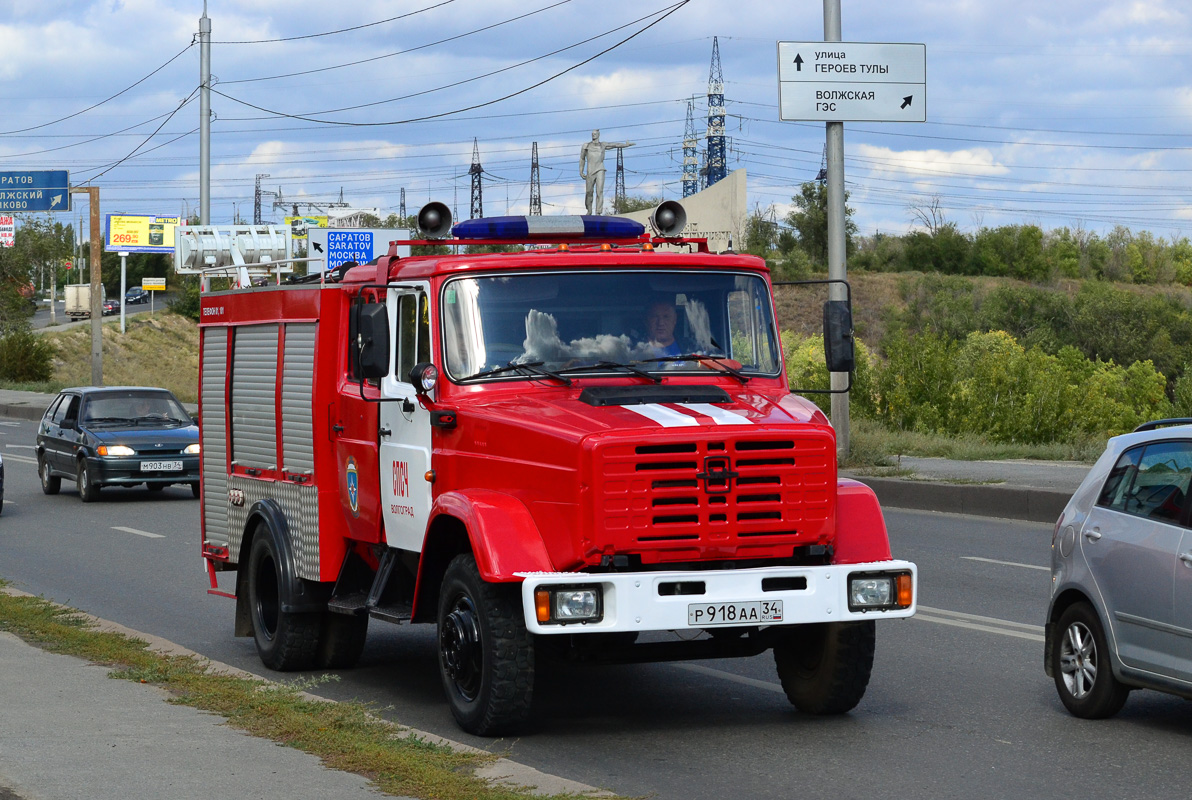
{"points": [[619, 189], [836, 236], [92, 193], [535, 184], [256, 208], [477, 173], [204, 118]]}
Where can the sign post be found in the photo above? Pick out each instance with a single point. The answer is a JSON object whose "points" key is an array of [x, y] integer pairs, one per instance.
{"points": [[123, 291]]}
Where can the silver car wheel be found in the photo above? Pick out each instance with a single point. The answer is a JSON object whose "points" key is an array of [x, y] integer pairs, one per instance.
{"points": [[1078, 660]]}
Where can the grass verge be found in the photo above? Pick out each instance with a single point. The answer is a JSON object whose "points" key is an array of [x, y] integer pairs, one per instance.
{"points": [[346, 736]]}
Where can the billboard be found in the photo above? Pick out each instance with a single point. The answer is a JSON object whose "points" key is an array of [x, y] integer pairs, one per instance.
{"points": [[300, 225], [138, 233], [8, 231]]}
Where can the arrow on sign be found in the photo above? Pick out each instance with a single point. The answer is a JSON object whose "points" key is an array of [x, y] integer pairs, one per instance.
{"points": [[906, 101], [318, 247], [798, 62], [55, 200]]}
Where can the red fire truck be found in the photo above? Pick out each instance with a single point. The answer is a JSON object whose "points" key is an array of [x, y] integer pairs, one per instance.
{"points": [[513, 447]]}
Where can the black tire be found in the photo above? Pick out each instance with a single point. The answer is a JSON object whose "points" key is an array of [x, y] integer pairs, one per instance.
{"points": [[50, 484], [486, 656], [341, 640], [194, 490], [1081, 668], [825, 667], [286, 641], [88, 489]]}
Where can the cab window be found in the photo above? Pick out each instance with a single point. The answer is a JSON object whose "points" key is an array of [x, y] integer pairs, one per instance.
{"points": [[413, 337]]}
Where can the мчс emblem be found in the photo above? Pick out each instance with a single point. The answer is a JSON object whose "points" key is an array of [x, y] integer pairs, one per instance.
{"points": [[353, 478]]}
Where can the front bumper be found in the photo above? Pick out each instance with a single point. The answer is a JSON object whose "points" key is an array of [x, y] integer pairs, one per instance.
{"points": [[122, 470], [634, 601]]}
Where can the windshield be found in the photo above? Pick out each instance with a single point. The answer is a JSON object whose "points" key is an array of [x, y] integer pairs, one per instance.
{"points": [[145, 408], [566, 321]]}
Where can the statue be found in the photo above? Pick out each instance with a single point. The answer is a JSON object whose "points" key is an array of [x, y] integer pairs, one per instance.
{"points": [[591, 169]]}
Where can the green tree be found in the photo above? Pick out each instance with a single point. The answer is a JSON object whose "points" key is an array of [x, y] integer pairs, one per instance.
{"points": [[809, 218], [636, 203]]}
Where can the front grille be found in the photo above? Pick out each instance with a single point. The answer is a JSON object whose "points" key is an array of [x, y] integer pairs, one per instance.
{"points": [[723, 494], [156, 452]]}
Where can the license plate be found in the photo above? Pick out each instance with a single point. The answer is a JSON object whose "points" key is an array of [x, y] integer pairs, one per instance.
{"points": [[161, 466], [754, 613]]}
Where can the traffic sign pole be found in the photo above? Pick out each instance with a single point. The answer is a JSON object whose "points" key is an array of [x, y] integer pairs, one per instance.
{"points": [[836, 238], [123, 291]]}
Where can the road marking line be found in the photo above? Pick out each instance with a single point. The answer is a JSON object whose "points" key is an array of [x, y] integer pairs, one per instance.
{"points": [[11, 424], [1005, 563], [21, 459], [1034, 637], [22, 446], [146, 534], [728, 676], [943, 612]]}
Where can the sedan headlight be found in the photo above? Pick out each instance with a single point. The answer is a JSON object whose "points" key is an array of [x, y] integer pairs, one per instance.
{"points": [[115, 450], [191, 449], [880, 591]]}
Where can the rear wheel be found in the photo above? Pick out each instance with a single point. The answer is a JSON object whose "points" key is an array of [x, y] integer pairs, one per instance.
{"points": [[194, 490], [486, 656], [50, 484], [1080, 665], [88, 489], [285, 640], [825, 667]]}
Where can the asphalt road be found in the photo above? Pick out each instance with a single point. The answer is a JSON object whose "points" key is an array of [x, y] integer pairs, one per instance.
{"points": [[958, 704], [41, 317]]}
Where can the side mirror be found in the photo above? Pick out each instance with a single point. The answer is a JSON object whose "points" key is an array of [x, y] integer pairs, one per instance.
{"points": [[424, 376], [372, 340], [838, 336]]}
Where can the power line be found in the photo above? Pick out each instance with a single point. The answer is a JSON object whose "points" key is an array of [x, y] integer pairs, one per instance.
{"points": [[112, 166], [101, 102], [398, 52], [341, 30]]}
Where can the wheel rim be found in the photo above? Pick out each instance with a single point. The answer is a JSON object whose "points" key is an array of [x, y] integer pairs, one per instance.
{"points": [[267, 603], [83, 479], [1078, 660], [45, 473], [460, 648]]}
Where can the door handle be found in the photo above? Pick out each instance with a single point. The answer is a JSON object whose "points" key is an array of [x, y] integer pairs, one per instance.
{"points": [[337, 428], [385, 432], [1092, 535], [1186, 558]]}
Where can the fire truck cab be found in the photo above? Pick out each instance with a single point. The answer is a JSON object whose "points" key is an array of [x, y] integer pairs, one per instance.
{"points": [[515, 448]]}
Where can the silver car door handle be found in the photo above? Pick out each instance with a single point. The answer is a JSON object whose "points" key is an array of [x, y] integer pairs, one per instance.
{"points": [[1092, 535], [1186, 558]]}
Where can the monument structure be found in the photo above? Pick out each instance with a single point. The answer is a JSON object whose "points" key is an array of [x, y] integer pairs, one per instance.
{"points": [[591, 169]]}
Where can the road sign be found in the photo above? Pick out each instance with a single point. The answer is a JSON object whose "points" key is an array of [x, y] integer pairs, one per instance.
{"points": [[153, 284], [340, 245], [8, 231], [41, 190], [852, 82]]}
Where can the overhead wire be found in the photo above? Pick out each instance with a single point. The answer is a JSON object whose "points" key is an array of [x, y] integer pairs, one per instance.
{"points": [[341, 30]]}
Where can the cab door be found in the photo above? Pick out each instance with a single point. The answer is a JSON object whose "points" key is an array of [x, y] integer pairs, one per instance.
{"points": [[405, 430]]}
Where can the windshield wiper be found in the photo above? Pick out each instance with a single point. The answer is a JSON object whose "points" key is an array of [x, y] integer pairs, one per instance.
{"points": [[720, 361], [110, 420], [601, 365], [531, 367]]}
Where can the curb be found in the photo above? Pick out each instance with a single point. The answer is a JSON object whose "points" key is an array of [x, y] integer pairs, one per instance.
{"points": [[20, 410], [1002, 502], [502, 771]]}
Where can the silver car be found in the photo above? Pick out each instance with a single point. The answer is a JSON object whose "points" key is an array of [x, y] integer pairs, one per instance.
{"points": [[1120, 616]]}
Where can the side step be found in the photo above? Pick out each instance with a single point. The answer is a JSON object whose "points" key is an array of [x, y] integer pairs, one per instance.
{"points": [[359, 603]]}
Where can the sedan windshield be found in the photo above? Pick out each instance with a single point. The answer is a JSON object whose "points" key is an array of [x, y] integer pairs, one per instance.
{"points": [[135, 407], [594, 321]]}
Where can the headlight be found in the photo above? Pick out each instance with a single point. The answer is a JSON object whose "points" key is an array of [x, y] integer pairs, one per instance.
{"points": [[880, 591], [115, 450], [191, 450], [566, 604]]}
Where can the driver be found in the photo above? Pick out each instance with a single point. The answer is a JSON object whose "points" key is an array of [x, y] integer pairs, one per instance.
{"points": [[661, 318]]}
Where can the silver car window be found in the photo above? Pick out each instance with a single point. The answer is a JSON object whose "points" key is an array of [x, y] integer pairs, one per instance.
{"points": [[1161, 483], [1116, 490]]}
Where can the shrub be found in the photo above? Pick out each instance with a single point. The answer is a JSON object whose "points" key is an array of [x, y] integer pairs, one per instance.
{"points": [[807, 369], [25, 356]]}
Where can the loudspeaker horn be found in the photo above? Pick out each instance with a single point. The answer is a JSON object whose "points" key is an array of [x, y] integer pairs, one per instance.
{"points": [[434, 221], [668, 219]]}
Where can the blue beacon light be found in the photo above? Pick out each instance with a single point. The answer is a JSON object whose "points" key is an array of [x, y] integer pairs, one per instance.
{"points": [[513, 228]]}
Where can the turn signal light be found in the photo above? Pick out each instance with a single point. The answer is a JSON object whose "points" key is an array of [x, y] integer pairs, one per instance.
{"points": [[542, 605], [906, 592]]}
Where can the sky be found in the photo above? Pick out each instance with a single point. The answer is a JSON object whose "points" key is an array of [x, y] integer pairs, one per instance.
{"points": [[1055, 113]]}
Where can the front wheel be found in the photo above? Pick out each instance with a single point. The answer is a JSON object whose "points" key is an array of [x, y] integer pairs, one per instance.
{"points": [[285, 640], [50, 484], [1080, 665], [825, 667], [88, 488], [486, 656]]}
